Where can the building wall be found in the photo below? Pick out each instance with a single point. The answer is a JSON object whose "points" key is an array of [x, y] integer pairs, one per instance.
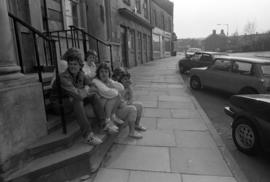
{"points": [[162, 20], [136, 34]]}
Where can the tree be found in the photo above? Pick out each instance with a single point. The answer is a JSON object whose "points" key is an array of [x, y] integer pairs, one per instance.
{"points": [[250, 28]]}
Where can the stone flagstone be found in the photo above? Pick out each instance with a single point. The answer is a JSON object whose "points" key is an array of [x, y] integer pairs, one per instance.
{"points": [[198, 161], [157, 138], [195, 139], [139, 158], [112, 175], [185, 113], [141, 176], [158, 113], [181, 124], [200, 178]]}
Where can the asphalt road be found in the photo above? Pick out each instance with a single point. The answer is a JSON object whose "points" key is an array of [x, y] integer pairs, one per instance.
{"points": [[256, 168]]}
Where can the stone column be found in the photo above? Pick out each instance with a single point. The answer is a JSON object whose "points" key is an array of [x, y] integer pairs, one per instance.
{"points": [[22, 112], [8, 67]]}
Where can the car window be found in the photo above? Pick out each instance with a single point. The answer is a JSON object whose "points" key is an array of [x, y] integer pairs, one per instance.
{"points": [[222, 65], [196, 57], [242, 68], [266, 69], [206, 58]]}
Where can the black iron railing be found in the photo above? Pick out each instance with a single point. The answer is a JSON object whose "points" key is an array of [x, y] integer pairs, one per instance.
{"points": [[43, 56], [79, 38]]}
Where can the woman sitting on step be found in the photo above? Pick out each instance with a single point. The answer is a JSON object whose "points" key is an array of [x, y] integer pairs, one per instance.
{"points": [[110, 88]]}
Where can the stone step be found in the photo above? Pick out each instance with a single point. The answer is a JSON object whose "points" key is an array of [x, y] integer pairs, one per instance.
{"points": [[55, 141], [78, 160]]}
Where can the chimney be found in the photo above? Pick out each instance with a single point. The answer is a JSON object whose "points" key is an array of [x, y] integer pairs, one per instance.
{"points": [[222, 32], [214, 32]]}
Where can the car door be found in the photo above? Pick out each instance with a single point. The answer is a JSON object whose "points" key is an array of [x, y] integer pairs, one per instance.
{"points": [[205, 60], [218, 75], [242, 76]]}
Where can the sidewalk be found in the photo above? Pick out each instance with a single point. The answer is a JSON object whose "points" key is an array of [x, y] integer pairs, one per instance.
{"points": [[180, 144]]}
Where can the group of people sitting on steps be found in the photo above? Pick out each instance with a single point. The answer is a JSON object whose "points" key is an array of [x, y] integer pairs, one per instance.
{"points": [[109, 95]]}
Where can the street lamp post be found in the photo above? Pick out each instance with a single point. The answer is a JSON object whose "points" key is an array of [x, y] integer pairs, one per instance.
{"points": [[227, 25]]}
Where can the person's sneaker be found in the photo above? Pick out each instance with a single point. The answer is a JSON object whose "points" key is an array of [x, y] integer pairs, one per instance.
{"points": [[110, 127], [135, 135], [91, 139], [140, 128], [117, 120]]}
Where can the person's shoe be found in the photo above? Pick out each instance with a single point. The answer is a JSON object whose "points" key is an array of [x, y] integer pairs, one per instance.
{"points": [[110, 127], [117, 120], [91, 139], [135, 135], [140, 128]]}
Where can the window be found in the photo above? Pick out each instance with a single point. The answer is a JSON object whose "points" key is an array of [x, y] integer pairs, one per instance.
{"points": [[242, 68], [101, 11], [145, 8], [71, 13], [155, 18], [126, 2], [163, 21], [156, 42], [138, 6], [265, 69], [222, 65]]}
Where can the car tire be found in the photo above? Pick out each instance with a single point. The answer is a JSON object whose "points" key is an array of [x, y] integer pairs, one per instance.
{"points": [[248, 90], [245, 136], [195, 83], [182, 68]]}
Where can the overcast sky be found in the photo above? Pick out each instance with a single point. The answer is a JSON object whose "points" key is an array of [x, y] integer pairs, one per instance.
{"points": [[197, 18]]}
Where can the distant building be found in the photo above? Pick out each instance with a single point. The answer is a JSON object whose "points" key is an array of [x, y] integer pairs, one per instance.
{"points": [[216, 42], [162, 20], [129, 24]]}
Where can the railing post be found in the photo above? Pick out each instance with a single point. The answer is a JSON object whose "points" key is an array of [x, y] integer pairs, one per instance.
{"points": [[84, 45], [59, 91], [98, 52], [111, 57]]}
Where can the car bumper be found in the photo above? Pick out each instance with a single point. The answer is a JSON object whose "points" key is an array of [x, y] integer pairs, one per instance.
{"points": [[229, 111]]}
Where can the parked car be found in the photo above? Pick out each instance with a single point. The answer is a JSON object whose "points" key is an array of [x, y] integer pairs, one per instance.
{"points": [[251, 122], [236, 75], [198, 59], [191, 51]]}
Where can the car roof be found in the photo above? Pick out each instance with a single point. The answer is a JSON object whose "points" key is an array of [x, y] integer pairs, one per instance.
{"points": [[245, 59]]}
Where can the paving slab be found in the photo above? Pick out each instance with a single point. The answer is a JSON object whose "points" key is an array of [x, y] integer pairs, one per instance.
{"points": [[198, 161], [141, 176], [174, 86], [112, 175], [149, 123], [139, 158], [200, 178], [174, 98], [185, 113], [157, 138], [157, 113], [176, 105], [181, 124], [194, 139]]}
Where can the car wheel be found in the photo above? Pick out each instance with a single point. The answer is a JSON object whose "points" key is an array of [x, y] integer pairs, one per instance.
{"points": [[195, 83], [245, 137], [182, 68], [248, 91]]}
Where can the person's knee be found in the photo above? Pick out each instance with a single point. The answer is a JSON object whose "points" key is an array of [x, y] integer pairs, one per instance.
{"points": [[132, 113]]}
